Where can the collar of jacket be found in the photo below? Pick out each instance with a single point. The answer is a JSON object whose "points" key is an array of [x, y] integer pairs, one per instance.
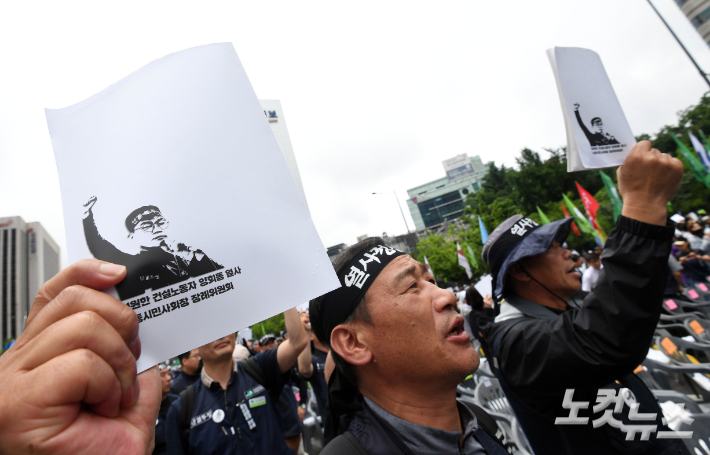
{"points": [[527, 308], [207, 379]]}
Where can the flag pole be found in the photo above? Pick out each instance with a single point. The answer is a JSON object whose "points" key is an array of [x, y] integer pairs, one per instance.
{"points": [[702, 73]]}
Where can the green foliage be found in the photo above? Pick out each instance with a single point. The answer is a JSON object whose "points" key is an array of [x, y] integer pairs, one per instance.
{"points": [[274, 324]]}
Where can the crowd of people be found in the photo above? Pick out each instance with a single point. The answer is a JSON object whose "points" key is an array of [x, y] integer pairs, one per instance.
{"points": [[382, 359]]}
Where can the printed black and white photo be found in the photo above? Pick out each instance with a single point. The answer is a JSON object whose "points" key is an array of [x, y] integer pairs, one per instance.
{"points": [[162, 260], [598, 136]]}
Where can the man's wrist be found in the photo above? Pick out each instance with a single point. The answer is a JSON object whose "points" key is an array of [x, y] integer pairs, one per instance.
{"points": [[651, 213]]}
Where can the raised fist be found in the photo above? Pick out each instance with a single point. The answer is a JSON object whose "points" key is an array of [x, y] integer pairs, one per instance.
{"points": [[647, 181]]}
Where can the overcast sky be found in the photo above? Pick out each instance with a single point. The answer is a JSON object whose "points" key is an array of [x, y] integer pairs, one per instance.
{"points": [[375, 94]]}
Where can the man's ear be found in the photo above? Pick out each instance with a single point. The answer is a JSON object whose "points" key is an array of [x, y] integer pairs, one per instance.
{"points": [[344, 340], [517, 273]]}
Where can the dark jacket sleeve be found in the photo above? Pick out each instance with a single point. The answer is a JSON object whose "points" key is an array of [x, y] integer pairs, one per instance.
{"points": [[172, 432], [610, 334], [101, 248]]}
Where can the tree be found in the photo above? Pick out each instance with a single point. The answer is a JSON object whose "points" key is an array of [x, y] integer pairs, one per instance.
{"points": [[274, 324]]}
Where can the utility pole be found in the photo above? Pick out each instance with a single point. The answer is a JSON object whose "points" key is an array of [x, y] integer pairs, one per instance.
{"points": [[702, 73]]}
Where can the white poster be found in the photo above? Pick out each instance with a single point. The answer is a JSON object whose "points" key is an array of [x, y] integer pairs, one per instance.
{"points": [[484, 285], [175, 173], [598, 134]]}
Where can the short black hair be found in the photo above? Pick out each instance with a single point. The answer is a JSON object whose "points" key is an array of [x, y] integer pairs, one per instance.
{"points": [[360, 313], [184, 355], [596, 120], [589, 257]]}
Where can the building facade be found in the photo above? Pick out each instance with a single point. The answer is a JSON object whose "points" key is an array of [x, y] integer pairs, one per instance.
{"points": [[435, 202], [698, 13], [28, 258], [275, 116]]}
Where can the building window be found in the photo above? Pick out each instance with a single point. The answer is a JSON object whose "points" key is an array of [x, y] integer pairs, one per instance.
{"points": [[701, 18], [475, 186], [680, 2], [445, 207], [464, 191]]}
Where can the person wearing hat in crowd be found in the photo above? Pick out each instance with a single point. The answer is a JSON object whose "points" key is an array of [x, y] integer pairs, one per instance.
{"points": [[160, 262], [233, 404], [161, 442], [400, 350], [548, 352]]}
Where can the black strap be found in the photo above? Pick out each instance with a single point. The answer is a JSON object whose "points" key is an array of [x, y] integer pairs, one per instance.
{"points": [[253, 369], [485, 422], [187, 405], [345, 444]]}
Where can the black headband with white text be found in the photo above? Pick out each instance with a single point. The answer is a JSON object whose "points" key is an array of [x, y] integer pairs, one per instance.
{"points": [[355, 279]]}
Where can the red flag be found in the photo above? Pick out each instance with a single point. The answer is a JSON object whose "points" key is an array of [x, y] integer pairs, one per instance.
{"points": [[574, 226], [590, 204]]}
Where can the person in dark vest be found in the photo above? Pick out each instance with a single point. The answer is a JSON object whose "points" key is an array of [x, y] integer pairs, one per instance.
{"points": [[550, 352], [400, 350], [234, 408], [189, 374]]}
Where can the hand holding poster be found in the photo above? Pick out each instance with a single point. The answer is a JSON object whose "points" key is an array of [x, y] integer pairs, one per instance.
{"points": [[175, 173], [598, 134]]}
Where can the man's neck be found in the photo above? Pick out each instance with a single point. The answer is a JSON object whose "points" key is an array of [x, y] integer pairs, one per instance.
{"points": [[165, 394], [417, 404], [320, 346], [189, 371], [220, 371], [536, 293]]}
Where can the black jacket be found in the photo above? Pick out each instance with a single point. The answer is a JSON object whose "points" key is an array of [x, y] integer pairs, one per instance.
{"points": [[541, 353]]}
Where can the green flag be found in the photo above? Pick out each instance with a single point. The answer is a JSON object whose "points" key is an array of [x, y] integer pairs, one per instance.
{"points": [[696, 166], [472, 257], [543, 217], [579, 219], [613, 195]]}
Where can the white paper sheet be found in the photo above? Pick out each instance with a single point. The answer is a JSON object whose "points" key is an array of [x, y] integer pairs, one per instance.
{"points": [[484, 285], [598, 134], [185, 141]]}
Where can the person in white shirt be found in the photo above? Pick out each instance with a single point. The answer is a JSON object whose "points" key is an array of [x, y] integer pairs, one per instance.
{"points": [[591, 275]]}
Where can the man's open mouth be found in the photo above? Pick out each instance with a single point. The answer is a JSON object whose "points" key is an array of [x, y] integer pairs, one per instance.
{"points": [[457, 327]]}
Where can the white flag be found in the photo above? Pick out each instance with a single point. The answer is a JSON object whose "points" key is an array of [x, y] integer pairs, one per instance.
{"points": [[700, 150], [463, 262]]}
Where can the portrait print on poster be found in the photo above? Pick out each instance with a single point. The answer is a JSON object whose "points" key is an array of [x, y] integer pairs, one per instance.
{"points": [[161, 261]]}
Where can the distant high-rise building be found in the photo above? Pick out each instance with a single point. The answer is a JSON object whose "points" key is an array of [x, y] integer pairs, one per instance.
{"points": [[274, 113], [28, 258], [435, 202], [698, 13]]}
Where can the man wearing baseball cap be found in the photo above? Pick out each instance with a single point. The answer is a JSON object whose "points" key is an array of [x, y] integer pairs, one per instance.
{"points": [[544, 346], [400, 350]]}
